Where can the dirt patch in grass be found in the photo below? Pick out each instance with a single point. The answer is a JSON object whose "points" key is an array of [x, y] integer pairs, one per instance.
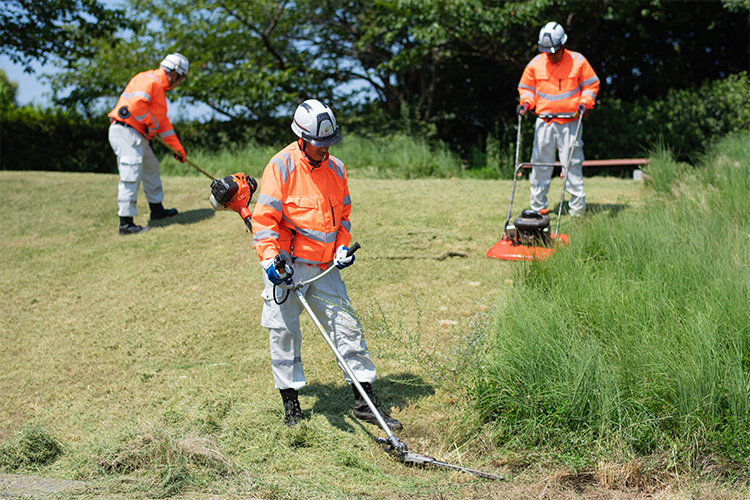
{"points": [[18, 486]]}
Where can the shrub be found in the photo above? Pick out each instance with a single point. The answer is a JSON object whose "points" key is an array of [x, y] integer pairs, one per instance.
{"points": [[34, 138], [688, 122]]}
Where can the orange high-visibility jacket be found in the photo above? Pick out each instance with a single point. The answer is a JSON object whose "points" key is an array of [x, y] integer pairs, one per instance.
{"points": [[143, 106], [561, 87], [302, 209]]}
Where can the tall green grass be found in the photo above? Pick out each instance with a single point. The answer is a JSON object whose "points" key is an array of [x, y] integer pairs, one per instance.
{"points": [[635, 340]]}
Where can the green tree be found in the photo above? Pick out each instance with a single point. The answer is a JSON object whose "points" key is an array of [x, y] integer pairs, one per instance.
{"points": [[446, 68], [8, 93], [33, 30], [246, 58]]}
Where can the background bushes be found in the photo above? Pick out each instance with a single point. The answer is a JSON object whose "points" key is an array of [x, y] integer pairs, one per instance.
{"points": [[687, 122]]}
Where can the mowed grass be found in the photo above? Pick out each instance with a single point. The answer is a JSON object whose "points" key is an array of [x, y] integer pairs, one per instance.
{"points": [[143, 357]]}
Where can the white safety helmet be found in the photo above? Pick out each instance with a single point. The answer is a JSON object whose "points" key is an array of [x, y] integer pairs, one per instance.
{"points": [[176, 62], [552, 38], [314, 122]]}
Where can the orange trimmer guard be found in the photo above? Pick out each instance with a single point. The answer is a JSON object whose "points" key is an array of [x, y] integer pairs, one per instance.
{"points": [[505, 250]]}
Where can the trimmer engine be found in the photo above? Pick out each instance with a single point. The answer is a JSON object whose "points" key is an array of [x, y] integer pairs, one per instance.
{"points": [[234, 192], [530, 228]]}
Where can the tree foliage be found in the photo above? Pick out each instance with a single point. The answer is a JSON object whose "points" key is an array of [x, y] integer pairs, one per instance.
{"points": [[8, 93], [35, 30], [246, 58], [444, 68]]}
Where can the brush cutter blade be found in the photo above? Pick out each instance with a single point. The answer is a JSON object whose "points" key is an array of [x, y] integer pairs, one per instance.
{"points": [[409, 457]]}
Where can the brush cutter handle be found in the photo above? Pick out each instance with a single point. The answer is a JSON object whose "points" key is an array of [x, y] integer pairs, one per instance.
{"points": [[353, 249], [329, 269], [566, 169], [552, 116]]}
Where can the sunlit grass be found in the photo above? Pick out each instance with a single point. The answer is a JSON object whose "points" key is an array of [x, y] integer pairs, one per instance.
{"points": [[634, 341]]}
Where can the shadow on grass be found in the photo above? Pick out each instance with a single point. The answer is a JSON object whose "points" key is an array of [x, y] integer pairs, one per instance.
{"points": [[613, 209], [335, 401], [189, 217]]}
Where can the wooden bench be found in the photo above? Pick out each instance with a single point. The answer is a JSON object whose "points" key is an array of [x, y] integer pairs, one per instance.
{"points": [[623, 162]]}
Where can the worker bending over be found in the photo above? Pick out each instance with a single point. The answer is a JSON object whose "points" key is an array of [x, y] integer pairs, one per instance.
{"points": [[139, 115]]}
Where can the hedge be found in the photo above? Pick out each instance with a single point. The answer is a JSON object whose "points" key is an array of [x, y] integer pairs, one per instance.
{"points": [[685, 121]]}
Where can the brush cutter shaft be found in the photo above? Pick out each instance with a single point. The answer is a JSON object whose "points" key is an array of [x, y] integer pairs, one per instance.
{"points": [[170, 148], [565, 178], [515, 174], [345, 367], [297, 288]]}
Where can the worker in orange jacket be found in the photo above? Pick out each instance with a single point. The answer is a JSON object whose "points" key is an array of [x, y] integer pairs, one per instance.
{"points": [[139, 115], [302, 214], [557, 81]]}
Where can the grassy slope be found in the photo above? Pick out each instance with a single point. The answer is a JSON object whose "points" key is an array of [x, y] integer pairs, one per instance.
{"points": [[111, 341]]}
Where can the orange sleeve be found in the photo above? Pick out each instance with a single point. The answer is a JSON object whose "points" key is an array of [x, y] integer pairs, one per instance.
{"points": [[268, 212], [344, 237], [589, 85], [527, 85]]}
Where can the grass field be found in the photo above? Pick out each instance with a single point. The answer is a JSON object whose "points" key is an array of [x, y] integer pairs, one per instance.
{"points": [[138, 363]]}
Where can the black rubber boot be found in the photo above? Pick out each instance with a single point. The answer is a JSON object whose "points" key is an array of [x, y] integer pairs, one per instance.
{"points": [[128, 227], [292, 412], [159, 212], [363, 412]]}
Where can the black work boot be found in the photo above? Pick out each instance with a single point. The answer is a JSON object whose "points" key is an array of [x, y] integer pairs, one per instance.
{"points": [[292, 412], [159, 212], [128, 227], [363, 412]]}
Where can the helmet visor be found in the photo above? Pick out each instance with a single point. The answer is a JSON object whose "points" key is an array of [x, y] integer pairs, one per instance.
{"points": [[550, 50], [323, 142]]}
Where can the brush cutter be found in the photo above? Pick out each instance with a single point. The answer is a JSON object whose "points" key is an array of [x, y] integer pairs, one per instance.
{"points": [[234, 192], [392, 444], [529, 236]]}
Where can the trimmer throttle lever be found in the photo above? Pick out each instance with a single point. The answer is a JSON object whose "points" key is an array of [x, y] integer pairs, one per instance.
{"points": [[284, 270]]}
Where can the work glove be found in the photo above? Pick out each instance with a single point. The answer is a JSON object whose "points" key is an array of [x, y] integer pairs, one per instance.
{"points": [[275, 276], [582, 110], [522, 109], [342, 260], [181, 156]]}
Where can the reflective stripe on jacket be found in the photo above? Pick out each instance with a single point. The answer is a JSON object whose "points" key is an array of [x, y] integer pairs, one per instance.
{"points": [[301, 209], [561, 87], [146, 104]]}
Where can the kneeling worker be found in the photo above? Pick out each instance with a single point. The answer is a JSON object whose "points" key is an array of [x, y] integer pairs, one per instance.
{"points": [[302, 214], [139, 115]]}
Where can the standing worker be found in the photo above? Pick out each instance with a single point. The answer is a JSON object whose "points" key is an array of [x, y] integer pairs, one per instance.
{"points": [[302, 214], [557, 81], [141, 114]]}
